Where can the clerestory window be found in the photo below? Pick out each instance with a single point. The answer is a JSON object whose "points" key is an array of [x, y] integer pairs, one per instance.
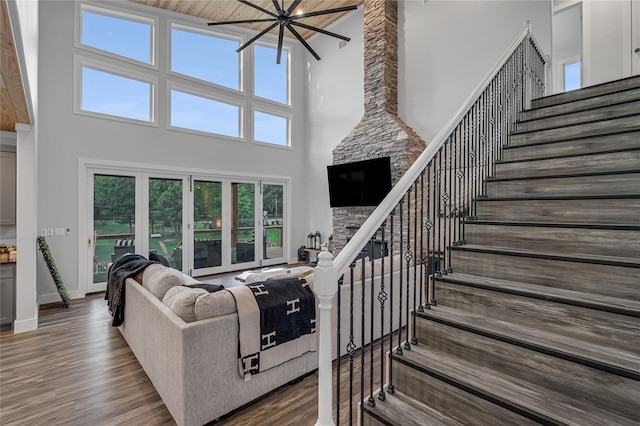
{"points": [[210, 88]]}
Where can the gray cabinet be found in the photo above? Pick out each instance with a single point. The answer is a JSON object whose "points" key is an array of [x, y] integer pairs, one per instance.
{"points": [[7, 292], [8, 188]]}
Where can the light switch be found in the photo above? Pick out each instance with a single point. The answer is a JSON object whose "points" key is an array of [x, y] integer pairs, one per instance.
{"points": [[59, 231]]}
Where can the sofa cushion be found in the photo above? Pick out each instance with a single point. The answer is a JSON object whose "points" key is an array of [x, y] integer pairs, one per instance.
{"points": [[181, 300], [213, 305], [158, 279]]}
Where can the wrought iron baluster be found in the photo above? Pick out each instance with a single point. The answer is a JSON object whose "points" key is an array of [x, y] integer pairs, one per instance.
{"points": [[390, 388], [408, 256], [399, 347], [382, 298]]}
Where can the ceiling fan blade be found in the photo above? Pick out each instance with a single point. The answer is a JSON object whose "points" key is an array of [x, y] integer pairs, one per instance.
{"points": [[280, 36], [278, 8], [320, 30], [244, 21], [259, 8], [266, 30], [324, 12], [292, 7], [304, 43]]}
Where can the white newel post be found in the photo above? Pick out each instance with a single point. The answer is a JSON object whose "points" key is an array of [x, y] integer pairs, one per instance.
{"points": [[326, 286]]}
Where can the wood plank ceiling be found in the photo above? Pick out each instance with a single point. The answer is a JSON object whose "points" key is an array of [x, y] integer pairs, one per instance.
{"points": [[13, 102], [232, 10]]}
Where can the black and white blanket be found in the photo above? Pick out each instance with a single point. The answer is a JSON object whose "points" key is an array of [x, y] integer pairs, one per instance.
{"points": [[277, 321]]}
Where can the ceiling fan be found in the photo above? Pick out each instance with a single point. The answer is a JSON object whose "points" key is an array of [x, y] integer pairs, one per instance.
{"points": [[283, 18]]}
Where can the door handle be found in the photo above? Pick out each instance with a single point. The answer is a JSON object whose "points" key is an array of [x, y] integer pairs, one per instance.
{"points": [[637, 50]]}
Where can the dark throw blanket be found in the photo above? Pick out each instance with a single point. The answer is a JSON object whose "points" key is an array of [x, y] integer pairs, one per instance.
{"points": [[127, 266], [277, 321]]}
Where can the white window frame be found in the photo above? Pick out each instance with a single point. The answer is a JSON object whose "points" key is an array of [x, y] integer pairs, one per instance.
{"points": [[570, 61], [219, 97], [286, 50], [268, 109], [80, 61], [171, 24], [117, 13]]}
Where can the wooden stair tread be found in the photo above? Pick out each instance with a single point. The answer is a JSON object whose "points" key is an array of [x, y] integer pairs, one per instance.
{"points": [[596, 90], [581, 104], [612, 360], [628, 136], [620, 109], [401, 409], [594, 174], [559, 295], [608, 226], [573, 257], [546, 405]]}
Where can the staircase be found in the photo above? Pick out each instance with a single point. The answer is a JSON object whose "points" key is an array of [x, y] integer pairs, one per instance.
{"points": [[539, 322]]}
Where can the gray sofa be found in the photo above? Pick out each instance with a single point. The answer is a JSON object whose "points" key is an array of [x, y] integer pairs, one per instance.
{"points": [[193, 363]]}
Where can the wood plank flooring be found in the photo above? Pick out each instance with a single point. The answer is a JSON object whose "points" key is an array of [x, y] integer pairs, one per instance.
{"points": [[76, 369]]}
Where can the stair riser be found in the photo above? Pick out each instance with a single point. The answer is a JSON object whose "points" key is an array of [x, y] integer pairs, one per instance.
{"points": [[579, 186], [608, 112], [604, 242], [614, 393], [599, 90], [598, 163], [612, 98], [615, 281], [618, 211], [573, 147], [461, 406], [577, 131], [590, 325]]}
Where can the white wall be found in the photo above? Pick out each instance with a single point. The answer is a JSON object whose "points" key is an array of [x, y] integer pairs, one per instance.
{"points": [[445, 48], [607, 40], [65, 137]]}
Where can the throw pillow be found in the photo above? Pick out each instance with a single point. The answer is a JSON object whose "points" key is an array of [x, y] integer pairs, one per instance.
{"points": [[211, 288], [158, 279], [216, 304], [181, 300]]}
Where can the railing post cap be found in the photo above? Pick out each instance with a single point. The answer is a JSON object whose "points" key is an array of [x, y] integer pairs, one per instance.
{"points": [[325, 259], [325, 275]]}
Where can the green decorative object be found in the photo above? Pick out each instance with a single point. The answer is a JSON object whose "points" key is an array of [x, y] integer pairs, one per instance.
{"points": [[51, 264]]}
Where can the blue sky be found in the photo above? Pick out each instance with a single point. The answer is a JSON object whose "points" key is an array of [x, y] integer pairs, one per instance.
{"points": [[195, 54]]}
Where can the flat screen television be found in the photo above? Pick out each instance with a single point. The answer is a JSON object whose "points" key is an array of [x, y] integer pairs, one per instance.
{"points": [[360, 183]]}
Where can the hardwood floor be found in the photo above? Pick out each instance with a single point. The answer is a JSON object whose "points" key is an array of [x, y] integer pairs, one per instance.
{"points": [[76, 369]]}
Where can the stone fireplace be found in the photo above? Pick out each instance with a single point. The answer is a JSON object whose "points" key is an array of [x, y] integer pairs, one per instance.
{"points": [[380, 132]]}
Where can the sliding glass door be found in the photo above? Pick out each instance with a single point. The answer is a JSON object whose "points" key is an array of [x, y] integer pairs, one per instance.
{"points": [[164, 220], [113, 222], [200, 225], [273, 222]]}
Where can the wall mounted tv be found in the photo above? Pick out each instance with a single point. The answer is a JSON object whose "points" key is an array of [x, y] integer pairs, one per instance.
{"points": [[360, 183]]}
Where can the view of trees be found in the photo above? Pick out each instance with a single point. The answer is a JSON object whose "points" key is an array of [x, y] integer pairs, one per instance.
{"points": [[114, 200]]}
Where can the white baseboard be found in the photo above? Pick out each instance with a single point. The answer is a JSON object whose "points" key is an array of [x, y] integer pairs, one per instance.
{"points": [[20, 326], [43, 299]]}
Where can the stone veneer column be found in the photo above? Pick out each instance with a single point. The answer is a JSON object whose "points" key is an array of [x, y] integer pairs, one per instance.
{"points": [[381, 132]]}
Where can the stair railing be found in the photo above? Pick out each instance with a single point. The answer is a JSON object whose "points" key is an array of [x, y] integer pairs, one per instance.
{"points": [[422, 215]]}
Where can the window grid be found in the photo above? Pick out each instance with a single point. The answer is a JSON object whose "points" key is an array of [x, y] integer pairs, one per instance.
{"points": [[266, 105]]}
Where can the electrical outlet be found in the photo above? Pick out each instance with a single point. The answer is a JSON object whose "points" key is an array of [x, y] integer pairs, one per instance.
{"points": [[43, 232], [59, 231], [50, 232]]}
